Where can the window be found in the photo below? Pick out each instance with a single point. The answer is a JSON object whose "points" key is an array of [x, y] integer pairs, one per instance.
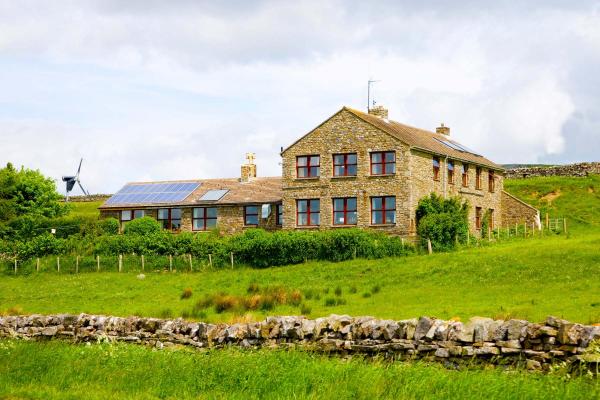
{"points": [[383, 210], [279, 215], [491, 181], [204, 218], [344, 211], [170, 218], [344, 164], [465, 175], [436, 168], [251, 215], [308, 212], [138, 214], [450, 171], [128, 215], [383, 163], [478, 178], [478, 217], [308, 166]]}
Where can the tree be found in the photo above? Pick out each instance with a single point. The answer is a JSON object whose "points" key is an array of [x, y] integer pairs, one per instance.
{"points": [[28, 192]]}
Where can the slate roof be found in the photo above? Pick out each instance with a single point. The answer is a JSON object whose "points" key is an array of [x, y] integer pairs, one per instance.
{"points": [[419, 139], [256, 191]]}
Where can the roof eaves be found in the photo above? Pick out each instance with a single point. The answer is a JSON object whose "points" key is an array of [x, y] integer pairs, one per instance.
{"points": [[483, 164]]}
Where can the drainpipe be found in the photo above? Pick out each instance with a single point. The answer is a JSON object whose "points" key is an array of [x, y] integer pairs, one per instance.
{"points": [[445, 176]]}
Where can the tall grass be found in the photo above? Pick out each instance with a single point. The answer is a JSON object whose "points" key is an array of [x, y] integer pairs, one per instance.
{"points": [[55, 370]]}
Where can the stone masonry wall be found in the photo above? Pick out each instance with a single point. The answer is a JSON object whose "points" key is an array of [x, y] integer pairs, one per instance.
{"points": [[346, 133], [516, 342], [230, 218], [580, 169], [515, 211], [423, 184]]}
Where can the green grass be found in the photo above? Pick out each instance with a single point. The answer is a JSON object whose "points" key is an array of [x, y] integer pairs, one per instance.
{"points": [[529, 279], [577, 199], [55, 370], [85, 208]]}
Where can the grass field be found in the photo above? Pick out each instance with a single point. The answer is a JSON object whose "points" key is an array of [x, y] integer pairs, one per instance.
{"points": [[85, 208], [102, 371], [526, 278], [523, 278]]}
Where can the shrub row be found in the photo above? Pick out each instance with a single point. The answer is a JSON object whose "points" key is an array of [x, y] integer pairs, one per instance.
{"points": [[254, 247]]}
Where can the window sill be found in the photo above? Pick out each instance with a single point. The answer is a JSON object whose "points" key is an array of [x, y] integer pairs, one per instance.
{"points": [[344, 176], [308, 226], [344, 226], [309, 178], [382, 225], [382, 175], [250, 226]]}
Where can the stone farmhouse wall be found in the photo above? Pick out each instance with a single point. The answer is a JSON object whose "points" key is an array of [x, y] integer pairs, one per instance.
{"points": [[580, 169], [481, 339], [346, 133], [515, 211], [230, 219], [423, 184], [413, 180]]}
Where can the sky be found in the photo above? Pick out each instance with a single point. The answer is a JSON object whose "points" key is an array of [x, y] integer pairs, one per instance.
{"points": [[158, 90]]}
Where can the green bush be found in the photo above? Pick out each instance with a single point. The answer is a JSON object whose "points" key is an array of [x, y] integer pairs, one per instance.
{"points": [[142, 226], [110, 226], [443, 221]]}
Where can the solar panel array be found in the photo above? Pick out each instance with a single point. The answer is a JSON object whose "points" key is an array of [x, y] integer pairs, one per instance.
{"points": [[149, 193], [456, 146], [214, 195]]}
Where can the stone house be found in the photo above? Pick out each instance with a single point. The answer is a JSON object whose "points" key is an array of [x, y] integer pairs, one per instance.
{"points": [[353, 170]]}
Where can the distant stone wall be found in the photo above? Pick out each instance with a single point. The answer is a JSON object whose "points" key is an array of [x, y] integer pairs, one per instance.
{"points": [[91, 197], [515, 342], [515, 211], [580, 169]]}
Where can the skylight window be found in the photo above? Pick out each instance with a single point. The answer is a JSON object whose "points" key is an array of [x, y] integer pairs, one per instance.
{"points": [[214, 195], [456, 146]]}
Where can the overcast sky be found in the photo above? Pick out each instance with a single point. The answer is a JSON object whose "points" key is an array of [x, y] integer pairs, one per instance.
{"points": [[154, 90]]}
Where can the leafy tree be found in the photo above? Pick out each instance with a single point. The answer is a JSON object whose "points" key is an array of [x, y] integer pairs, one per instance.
{"points": [[28, 192], [443, 221]]}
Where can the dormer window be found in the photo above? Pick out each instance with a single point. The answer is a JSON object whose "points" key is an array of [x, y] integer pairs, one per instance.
{"points": [[383, 163], [308, 166]]}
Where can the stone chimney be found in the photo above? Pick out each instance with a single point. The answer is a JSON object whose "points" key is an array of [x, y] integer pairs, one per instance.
{"points": [[248, 169], [444, 130], [379, 111]]}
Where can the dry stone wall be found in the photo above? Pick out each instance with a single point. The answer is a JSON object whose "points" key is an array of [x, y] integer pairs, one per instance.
{"points": [[580, 169], [515, 342]]}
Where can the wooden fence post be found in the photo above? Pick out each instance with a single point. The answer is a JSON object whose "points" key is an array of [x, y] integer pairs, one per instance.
{"points": [[191, 264], [231, 254], [170, 262], [210, 260], [97, 262], [143, 262], [489, 233], [429, 248], [401, 241], [525, 229], [58, 264], [120, 262], [37, 264], [77, 265], [15, 265], [547, 221], [565, 225]]}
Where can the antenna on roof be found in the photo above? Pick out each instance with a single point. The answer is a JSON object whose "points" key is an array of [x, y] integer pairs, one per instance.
{"points": [[369, 83]]}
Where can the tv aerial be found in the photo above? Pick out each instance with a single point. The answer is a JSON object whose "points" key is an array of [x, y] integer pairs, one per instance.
{"points": [[72, 180]]}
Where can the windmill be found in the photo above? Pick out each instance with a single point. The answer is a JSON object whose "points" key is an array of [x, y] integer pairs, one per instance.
{"points": [[71, 180]]}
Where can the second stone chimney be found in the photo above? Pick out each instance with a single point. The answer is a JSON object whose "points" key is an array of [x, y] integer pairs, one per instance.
{"points": [[248, 169], [379, 111], [444, 130]]}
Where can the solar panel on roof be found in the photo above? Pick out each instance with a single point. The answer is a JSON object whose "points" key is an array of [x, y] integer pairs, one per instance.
{"points": [[214, 195], [144, 193], [456, 146]]}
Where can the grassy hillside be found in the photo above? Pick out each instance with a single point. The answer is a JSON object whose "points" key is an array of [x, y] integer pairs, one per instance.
{"points": [[525, 278], [578, 199], [58, 370], [85, 208]]}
